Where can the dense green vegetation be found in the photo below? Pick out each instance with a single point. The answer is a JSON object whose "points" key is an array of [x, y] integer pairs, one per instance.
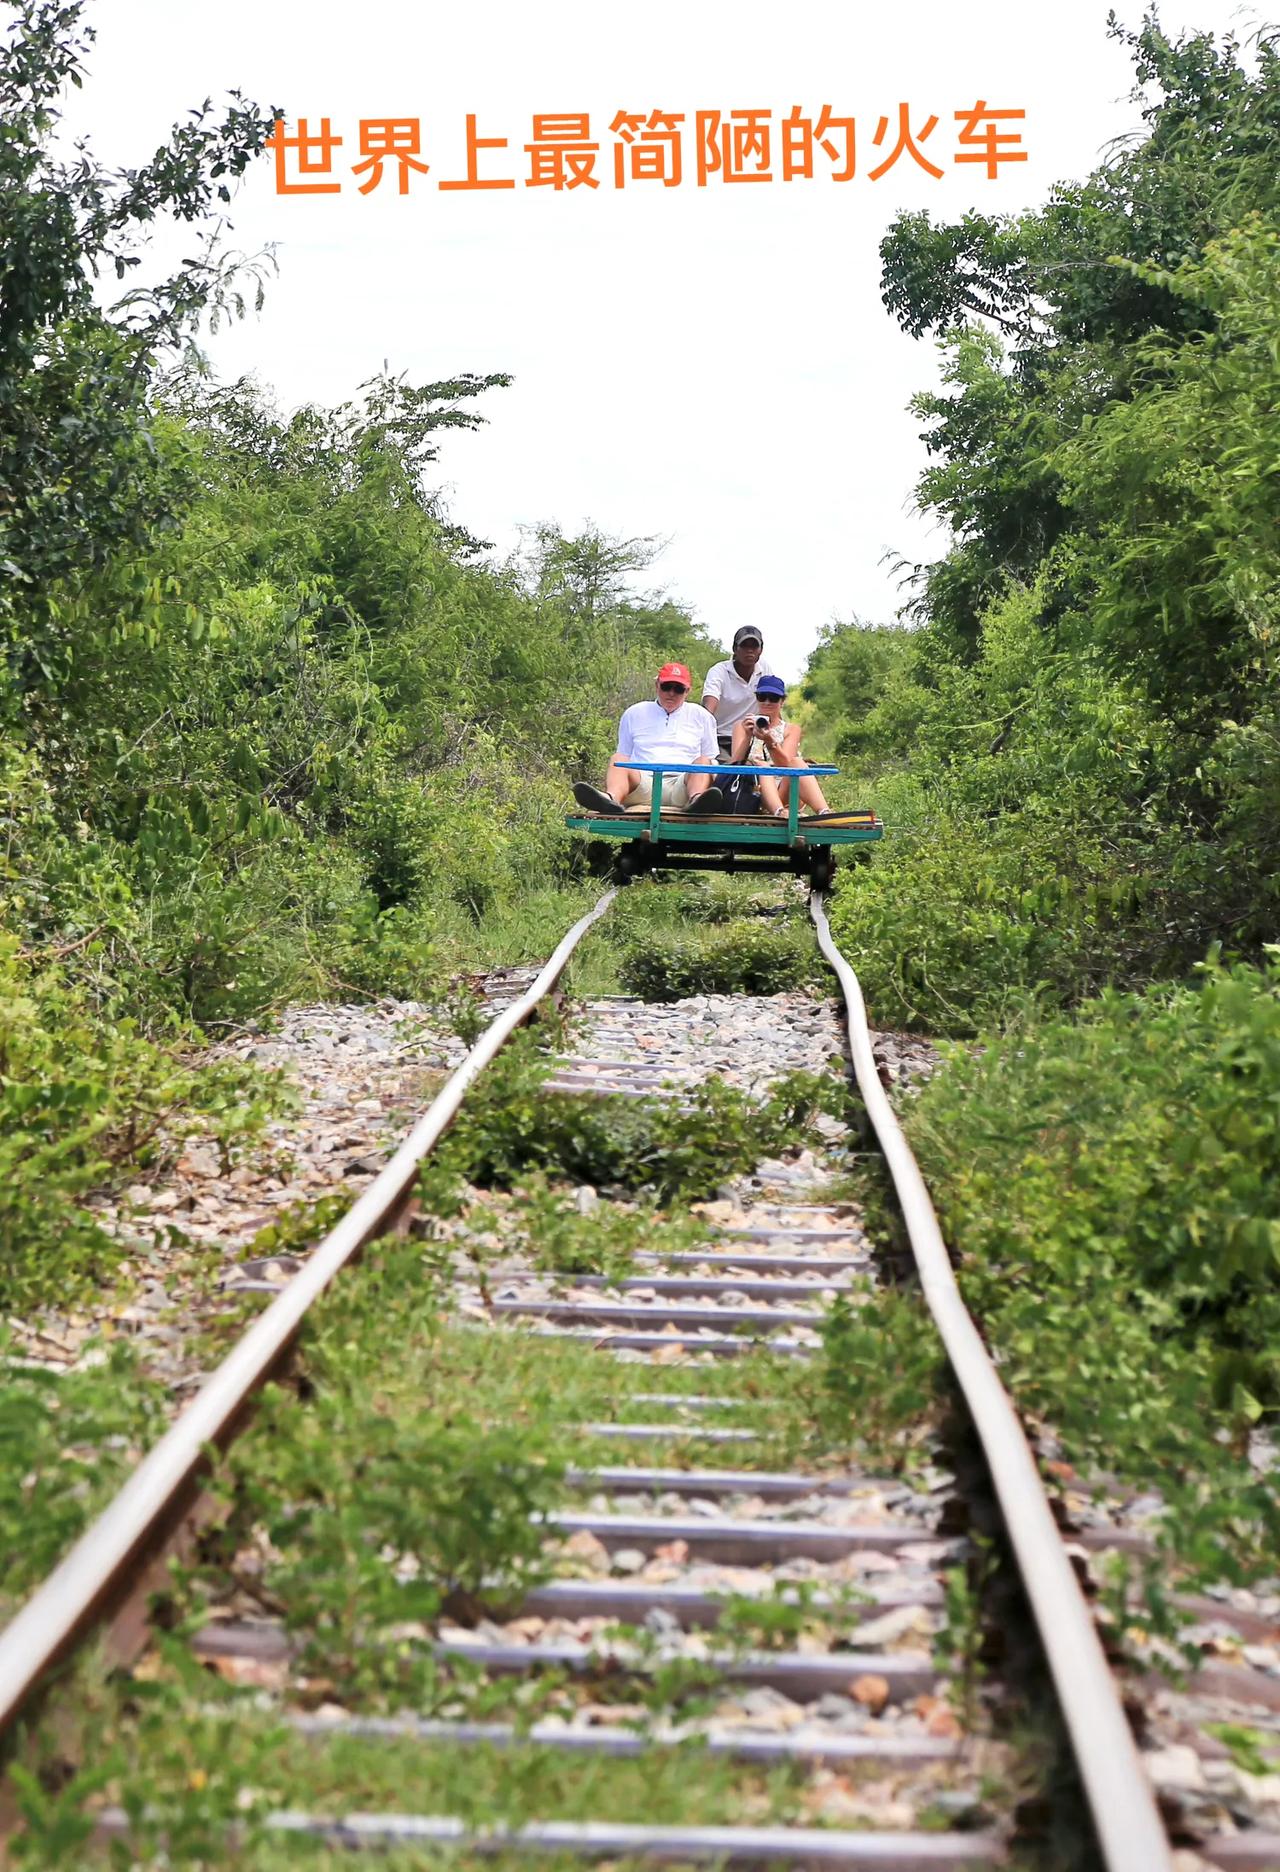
{"points": [[674, 1150], [1111, 1182], [714, 935], [268, 726], [1079, 739], [1078, 748]]}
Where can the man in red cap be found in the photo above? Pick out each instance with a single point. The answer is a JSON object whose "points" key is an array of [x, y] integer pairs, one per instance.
{"points": [[670, 727]]}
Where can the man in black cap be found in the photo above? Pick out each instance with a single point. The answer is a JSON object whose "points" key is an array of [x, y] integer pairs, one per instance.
{"points": [[729, 688]]}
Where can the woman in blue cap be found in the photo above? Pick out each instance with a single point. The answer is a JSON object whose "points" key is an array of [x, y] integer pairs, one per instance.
{"points": [[764, 737]]}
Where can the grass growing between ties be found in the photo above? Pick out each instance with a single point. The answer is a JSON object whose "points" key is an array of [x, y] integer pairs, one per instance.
{"points": [[187, 1783], [671, 1149], [561, 1238], [403, 1489], [394, 1493], [406, 1488], [1112, 1185], [879, 1381], [403, 1485], [406, 1485]]}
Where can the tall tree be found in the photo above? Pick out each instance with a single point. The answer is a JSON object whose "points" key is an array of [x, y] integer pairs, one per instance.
{"points": [[1041, 313], [78, 468]]}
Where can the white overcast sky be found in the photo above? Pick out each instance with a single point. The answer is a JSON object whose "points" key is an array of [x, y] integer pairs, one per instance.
{"points": [[709, 364]]}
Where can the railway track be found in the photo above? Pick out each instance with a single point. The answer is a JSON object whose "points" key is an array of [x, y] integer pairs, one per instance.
{"points": [[784, 1622]]}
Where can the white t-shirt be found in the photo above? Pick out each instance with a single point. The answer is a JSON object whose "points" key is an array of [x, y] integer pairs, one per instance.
{"points": [[649, 733], [736, 697]]}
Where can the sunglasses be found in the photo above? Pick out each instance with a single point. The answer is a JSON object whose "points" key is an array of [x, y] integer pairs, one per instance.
{"points": [[766, 697], [673, 688]]}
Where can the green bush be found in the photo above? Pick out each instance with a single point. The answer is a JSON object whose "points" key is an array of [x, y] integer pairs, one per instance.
{"points": [[383, 1500], [560, 1239], [86, 1102], [739, 957], [67, 1440], [1033, 858], [406, 951], [342, 1487], [671, 1148], [953, 925], [1111, 1185], [880, 1373]]}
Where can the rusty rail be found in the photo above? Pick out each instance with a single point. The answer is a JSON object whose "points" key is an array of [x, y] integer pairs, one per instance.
{"points": [[96, 1567], [1120, 1796]]}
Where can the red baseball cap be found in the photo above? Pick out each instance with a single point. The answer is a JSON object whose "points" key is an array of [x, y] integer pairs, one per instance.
{"points": [[675, 672]]}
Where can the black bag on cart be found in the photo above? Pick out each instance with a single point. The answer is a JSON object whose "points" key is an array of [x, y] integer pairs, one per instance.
{"points": [[741, 794]]}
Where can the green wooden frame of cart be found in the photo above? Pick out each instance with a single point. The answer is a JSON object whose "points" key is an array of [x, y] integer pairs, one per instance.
{"points": [[651, 839]]}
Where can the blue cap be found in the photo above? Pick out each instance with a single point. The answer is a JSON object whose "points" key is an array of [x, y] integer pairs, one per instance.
{"points": [[771, 686]]}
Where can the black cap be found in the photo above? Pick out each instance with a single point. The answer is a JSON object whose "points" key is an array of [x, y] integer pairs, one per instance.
{"points": [[748, 634]]}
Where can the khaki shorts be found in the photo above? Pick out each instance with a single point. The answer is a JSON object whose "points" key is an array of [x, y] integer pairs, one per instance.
{"points": [[675, 792]]}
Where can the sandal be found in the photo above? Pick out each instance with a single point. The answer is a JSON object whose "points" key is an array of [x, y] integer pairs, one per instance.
{"points": [[710, 800], [594, 800]]}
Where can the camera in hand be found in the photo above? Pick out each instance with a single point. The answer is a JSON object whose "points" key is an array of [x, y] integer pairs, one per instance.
{"points": [[762, 721]]}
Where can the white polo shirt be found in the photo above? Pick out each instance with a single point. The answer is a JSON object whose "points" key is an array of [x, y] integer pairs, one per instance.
{"points": [[649, 733], [737, 698]]}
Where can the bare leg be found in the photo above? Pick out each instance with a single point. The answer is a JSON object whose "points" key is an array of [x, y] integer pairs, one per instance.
{"points": [[771, 795], [620, 782], [697, 783], [811, 795]]}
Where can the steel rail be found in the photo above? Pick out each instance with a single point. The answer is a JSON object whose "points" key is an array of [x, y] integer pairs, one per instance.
{"points": [[812, 1849], [78, 1586], [1120, 1796]]}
